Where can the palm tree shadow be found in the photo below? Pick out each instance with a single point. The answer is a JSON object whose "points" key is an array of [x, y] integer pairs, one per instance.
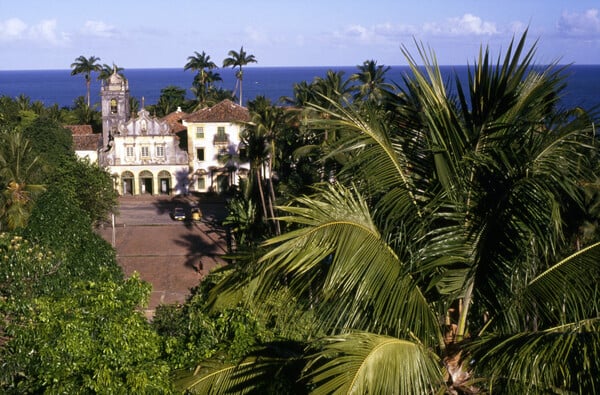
{"points": [[200, 247]]}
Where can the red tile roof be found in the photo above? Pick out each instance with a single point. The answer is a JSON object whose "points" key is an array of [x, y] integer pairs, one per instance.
{"points": [[84, 139], [80, 129], [174, 121], [225, 111]]}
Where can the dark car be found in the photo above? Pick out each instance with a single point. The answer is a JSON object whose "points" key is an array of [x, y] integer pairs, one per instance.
{"points": [[178, 214]]}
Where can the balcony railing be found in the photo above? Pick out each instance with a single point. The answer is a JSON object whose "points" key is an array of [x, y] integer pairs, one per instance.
{"points": [[221, 139]]}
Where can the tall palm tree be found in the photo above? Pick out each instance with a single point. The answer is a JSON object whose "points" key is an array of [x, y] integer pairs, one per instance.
{"points": [[17, 167], [239, 60], [201, 63], [434, 261], [203, 87], [86, 66]]}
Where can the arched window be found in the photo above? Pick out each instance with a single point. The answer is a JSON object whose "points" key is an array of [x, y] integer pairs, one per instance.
{"points": [[113, 106]]}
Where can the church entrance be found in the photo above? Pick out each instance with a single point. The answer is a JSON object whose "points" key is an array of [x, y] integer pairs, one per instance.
{"points": [[164, 182], [127, 183], [146, 183]]}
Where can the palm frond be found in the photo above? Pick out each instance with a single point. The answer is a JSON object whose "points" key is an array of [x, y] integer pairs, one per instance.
{"points": [[274, 368], [365, 363], [339, 255], [564, 359], [567, 291], [382, 162]]}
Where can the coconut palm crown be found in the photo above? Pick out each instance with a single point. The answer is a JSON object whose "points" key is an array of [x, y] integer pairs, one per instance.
{"points": [[86, 66], [239, 60], [436, 262]]}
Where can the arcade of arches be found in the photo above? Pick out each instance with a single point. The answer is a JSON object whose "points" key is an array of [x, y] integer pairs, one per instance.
{"points": [[144, 183]]}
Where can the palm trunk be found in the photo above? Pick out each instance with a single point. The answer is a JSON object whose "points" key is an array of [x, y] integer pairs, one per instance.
{"points": [[261, 193], [272, 197], [87, 84], [464, 312]]}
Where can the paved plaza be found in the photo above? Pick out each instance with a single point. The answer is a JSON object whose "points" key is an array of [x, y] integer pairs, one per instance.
{"points": [[173, 256]]}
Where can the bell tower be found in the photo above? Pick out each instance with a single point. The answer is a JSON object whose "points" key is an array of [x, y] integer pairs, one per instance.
{"points": [[114, 95]]}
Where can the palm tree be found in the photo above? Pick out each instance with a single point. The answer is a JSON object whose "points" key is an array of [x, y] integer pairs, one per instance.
{"points": [[371, 79], [17, 167], [434, 260], [86, 66], [239, 59], [205, 89], [333, 87], [107, 70], [201, 63]]}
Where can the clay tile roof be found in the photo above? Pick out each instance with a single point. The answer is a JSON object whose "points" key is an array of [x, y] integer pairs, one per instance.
{"points": [[174, 120], [80, 129], [225, 111], [84, 138], [86, 142]]}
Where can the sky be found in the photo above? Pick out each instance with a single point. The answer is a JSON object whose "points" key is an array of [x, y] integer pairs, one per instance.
{"points": [[42, 34]]}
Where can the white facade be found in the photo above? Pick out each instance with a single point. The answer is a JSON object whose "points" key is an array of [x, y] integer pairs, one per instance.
{"points": [[213, 146], [141, 153]]}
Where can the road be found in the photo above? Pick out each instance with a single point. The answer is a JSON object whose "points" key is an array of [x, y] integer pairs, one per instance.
{"points": [[172, 256]]}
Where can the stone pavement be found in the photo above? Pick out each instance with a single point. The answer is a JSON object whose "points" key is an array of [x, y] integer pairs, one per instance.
{"points": [[172, 256]]}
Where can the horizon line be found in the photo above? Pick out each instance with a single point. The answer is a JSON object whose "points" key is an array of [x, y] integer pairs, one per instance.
{"points": [[299, 67]]}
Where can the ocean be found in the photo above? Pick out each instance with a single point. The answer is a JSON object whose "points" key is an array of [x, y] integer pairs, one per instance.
{"points": [[60, 87]]}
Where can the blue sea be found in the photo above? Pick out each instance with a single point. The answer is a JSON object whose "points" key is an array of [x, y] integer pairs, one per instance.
{"points": [[60, 87]]}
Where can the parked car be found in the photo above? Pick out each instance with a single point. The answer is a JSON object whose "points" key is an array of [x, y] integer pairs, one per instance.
{"points": [[178, 214], [196, 214]]}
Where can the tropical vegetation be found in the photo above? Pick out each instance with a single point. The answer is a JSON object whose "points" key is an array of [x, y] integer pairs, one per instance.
{"points": [[86, 66], [239, 60], [431, 235], [439, 258]]}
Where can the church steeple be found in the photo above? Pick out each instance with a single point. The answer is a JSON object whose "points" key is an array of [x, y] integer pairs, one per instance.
{"points": [[115, 105]]}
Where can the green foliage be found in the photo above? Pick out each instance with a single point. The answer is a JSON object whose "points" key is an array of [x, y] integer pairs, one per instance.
{"points": [[87, 184], [24, 266], [58, 223], [92, 340], [171, 97], [195, 332], [435, 239], [19, 167], [50, 141]]}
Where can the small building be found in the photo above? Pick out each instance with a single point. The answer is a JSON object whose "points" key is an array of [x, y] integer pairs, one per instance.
{"points": [[86, 143], [142, 153], [213, 141]]}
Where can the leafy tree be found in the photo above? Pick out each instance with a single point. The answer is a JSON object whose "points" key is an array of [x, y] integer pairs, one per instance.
{"points": [[89, 185], [60, 224], [92, 340], [24, 267], [170, 98], [86, 66], [239, 60], [435, 259], [50, 141]]}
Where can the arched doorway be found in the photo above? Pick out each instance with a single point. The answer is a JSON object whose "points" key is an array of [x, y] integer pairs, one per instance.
{"points": [[146, 179], [164, 182], [127, 183]]}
